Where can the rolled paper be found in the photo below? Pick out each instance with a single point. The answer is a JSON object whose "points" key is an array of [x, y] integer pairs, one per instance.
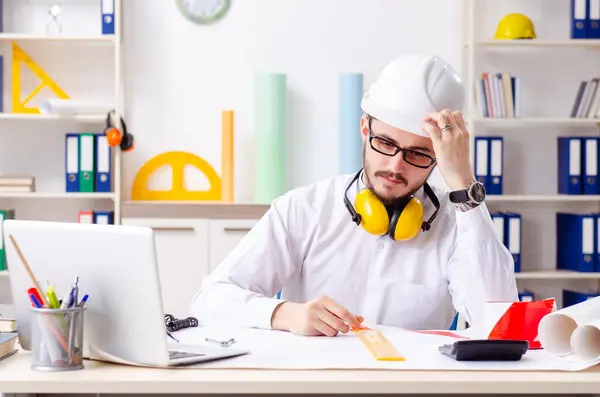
{"points": [[227, 155], [73, 107], [350, 141], [269, 118], [571, 329], [585, 341]]}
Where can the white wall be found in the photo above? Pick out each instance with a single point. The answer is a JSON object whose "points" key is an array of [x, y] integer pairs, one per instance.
{"points": [[180, 76]]}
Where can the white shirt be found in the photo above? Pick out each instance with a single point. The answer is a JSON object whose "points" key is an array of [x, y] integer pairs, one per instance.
{"points": [[306, 245]]}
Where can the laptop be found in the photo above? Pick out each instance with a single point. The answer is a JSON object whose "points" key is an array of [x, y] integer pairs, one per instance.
{"points": [[116, 266]]}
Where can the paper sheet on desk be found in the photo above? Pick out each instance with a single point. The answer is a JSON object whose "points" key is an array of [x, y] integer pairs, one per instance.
{"points": [[283, 350]]}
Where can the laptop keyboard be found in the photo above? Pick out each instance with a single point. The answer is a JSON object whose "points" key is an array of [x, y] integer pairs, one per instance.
{"points": [[174, 354]]}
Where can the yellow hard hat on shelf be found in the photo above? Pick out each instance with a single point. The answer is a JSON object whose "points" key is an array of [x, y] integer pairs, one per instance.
{"points": [[514, 27]]}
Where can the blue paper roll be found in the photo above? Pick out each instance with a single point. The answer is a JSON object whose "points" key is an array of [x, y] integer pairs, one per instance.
{"points": [[350, 142]]}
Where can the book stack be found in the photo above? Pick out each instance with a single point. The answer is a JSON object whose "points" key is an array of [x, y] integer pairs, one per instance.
{"points": [[497, 95], [587, 100], [17, 184]]}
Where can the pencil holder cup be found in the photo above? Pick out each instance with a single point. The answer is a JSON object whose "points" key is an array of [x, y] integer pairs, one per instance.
{"points": [[57, 339]]}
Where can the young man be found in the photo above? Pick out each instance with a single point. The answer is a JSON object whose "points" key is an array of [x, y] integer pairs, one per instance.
{"points": [[357, 248]]}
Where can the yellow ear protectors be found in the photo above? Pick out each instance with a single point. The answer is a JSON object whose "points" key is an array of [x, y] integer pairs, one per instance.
{"points": [[401, 223]]}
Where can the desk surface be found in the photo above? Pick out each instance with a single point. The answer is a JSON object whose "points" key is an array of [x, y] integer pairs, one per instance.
{"points": [[17, 377]]}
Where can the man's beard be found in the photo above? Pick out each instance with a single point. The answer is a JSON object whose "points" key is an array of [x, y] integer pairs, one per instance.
{"points": [[389, 201]]}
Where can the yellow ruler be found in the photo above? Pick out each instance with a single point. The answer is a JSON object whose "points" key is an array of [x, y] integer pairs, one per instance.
{"points": [[378, 345]]}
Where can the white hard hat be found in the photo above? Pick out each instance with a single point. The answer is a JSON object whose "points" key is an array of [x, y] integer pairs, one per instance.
{"points": [[412, 86]]}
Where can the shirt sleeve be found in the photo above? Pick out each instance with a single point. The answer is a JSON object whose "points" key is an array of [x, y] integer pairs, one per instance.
{"points": [[241, 290], [481, 268]]}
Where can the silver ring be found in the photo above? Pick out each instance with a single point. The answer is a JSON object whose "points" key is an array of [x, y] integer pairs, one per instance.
{"points": [[446, 127]]}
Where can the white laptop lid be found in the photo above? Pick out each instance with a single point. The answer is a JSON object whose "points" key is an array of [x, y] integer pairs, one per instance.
{"points": [[117, 268]]}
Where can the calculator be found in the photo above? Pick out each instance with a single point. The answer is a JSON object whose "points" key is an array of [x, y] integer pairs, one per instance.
{"points": [[486, 350]]}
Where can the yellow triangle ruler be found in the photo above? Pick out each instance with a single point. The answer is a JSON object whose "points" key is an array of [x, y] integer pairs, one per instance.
{"points": [[20, 57]]}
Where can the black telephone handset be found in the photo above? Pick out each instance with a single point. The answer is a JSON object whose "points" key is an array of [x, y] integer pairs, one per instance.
{"points": [[486, 350]]}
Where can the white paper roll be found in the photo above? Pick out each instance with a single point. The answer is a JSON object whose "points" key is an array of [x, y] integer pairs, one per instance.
{"points": [[557, 329], [73, 107], [585, 341]]}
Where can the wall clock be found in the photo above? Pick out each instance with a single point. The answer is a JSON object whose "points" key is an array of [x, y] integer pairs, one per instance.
{"points": [[203, 12]]}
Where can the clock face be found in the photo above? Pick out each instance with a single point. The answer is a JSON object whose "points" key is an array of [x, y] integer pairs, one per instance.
{"points": [[203, 11]]}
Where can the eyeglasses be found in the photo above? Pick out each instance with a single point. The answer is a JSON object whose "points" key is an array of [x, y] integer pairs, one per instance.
{"points": [[387, 148]]}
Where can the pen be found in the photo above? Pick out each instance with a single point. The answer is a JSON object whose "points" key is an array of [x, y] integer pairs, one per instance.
{"points": [[75, 292], [52, 298], [83, 300], [33, 291], [66, 301], [34, 301]]}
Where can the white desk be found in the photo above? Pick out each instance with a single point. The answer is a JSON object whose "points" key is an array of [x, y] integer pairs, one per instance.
{"points": [[17, 377]]}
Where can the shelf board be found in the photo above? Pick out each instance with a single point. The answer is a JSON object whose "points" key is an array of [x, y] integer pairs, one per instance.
{"points": [[585, 43], [194, 203], [41, 37], [543, 197], [556, 275], [56, 195], [536, 120], [47, 117]]}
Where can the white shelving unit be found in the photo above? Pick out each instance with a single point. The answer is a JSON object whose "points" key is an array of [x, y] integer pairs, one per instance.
{"points": [[42, 137], [529, 163], [70, 43]]}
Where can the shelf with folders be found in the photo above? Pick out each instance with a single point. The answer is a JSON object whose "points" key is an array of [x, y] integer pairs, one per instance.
{"points": [[520, 100], [577, 251], [53, 116], [87, 20], [577, 173]]}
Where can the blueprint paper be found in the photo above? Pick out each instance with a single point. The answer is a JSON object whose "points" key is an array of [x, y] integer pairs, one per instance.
{"points": [[271, 349]]}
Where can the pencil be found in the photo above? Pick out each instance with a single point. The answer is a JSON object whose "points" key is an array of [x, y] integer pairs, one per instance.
{"points": [[28, 269]]}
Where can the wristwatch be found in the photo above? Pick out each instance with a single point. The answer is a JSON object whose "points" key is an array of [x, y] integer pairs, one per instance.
{"points": [[474, 194]]}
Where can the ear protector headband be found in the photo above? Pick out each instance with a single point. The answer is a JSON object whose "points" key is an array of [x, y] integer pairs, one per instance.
{"points": [[115, 137], [405, 220]]}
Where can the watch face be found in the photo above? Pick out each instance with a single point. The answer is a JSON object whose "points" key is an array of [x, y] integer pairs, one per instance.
{"points": [[477, 192]]}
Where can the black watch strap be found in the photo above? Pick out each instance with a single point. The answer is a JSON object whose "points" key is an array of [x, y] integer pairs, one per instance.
{"points": [[459, 196]]}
